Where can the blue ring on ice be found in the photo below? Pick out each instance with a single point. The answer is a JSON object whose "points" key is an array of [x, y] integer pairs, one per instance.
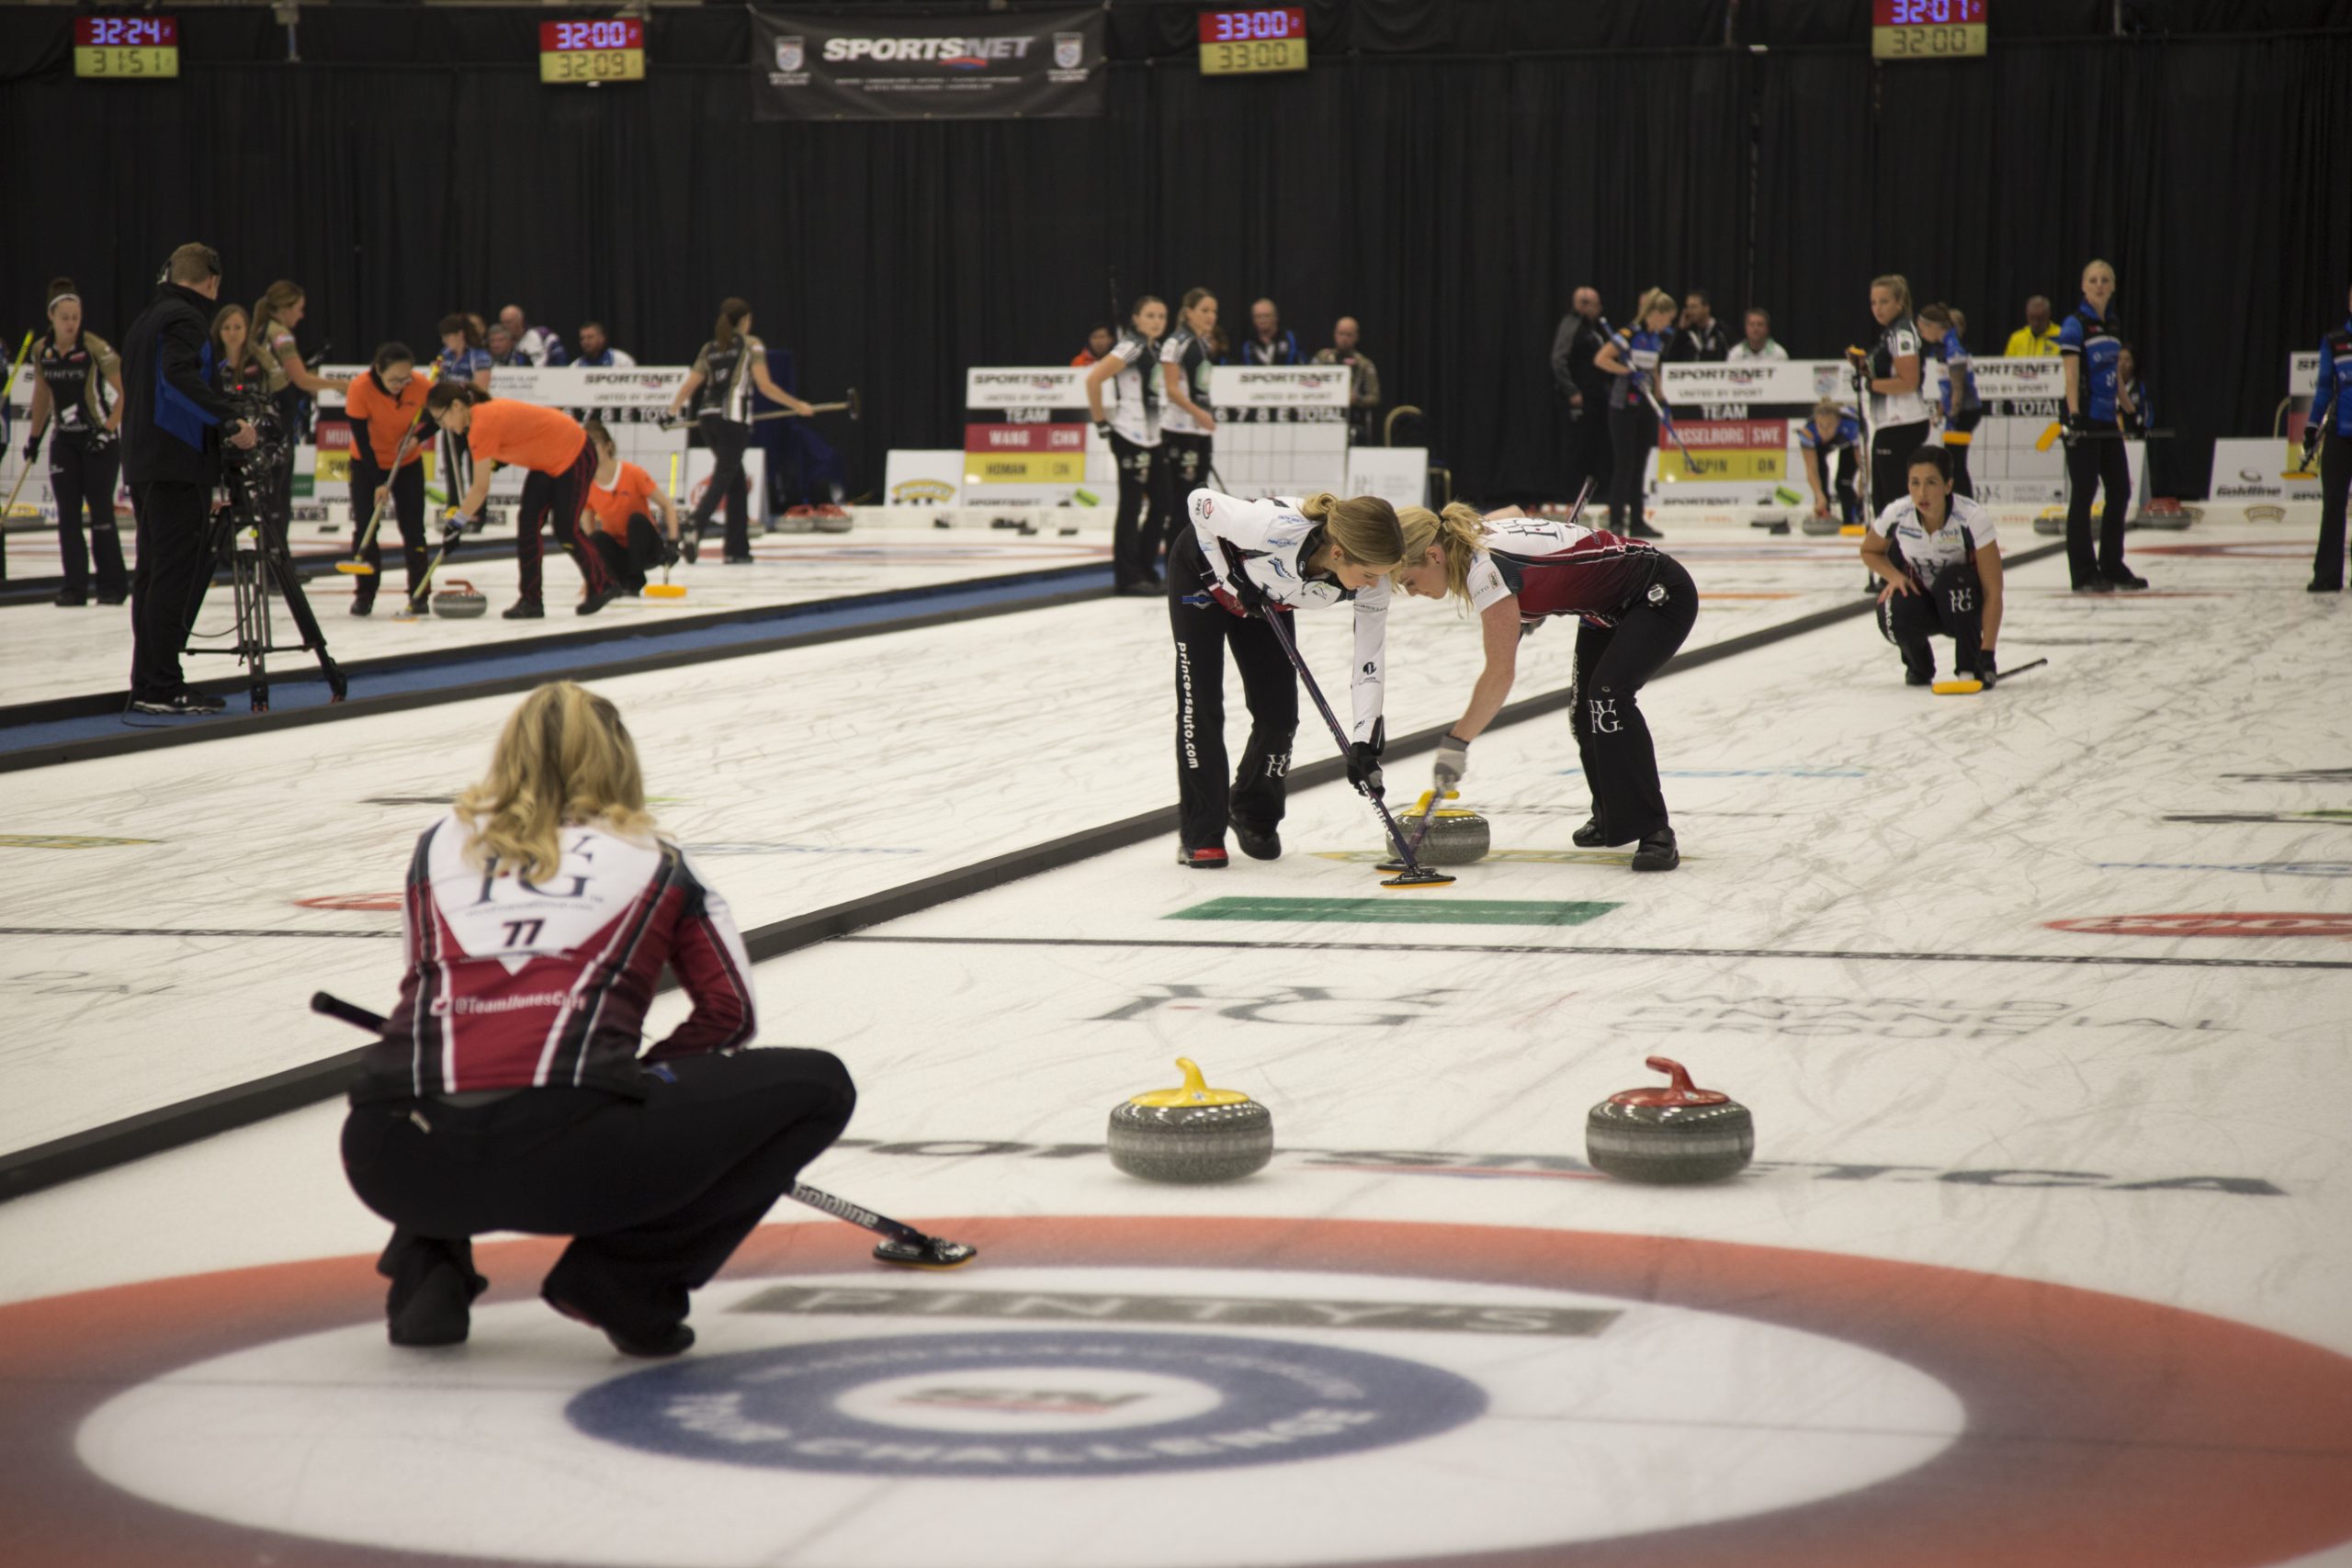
{"points": [[1280, 1401]]}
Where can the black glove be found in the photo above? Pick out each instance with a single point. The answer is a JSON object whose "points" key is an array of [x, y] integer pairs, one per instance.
{"points": [[2310, 445], [2077, 421], [1102, 428], [1364, 768], [32, 447], [1986, 670]]}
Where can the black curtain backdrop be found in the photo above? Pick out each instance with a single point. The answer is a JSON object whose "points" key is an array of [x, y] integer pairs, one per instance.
{"points": [[1448, 173]]}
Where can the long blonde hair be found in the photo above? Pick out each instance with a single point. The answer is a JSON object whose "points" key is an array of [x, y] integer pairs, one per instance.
{"points": [[1895, 283], [564, 759], [1363, 526], [1461, 533]]}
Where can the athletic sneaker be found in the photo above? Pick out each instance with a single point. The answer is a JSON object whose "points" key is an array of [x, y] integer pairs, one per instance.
{"points": [[524, 610], [186, 700], [1210, 858], [1657, 852], [1257, 843]]}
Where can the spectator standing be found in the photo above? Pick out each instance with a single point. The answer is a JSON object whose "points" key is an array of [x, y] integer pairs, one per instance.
{"points": [[78, 385], [171, 427], [2090, 345], [596, 350], [1633, 358], [1759, 344], [2331, 423], [1957, 409], [1699, 339], [1098, 339], [538, 346], [1269, 342], [1582, 331], [1364, 384], [2038, 339], [463, 361]]}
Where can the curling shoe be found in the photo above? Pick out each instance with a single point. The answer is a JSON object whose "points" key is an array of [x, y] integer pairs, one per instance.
{"points": [[1657, 852], [1589, 836], [675, 1340], [2122, 577], [524, 610], [1257, 843], [598, 599], [1212, 858], [1913, 676]]}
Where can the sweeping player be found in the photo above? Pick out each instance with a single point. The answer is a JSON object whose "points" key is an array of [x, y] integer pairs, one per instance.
{"points": [[1941, 557], [550, 444], [73, 373], [389, 437], [1132, 428], [1636, 604], [2331, 420], [507, 1091], [625, 500], [1311, 554]]}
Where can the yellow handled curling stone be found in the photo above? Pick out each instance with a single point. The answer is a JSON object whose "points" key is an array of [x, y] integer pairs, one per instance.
{"points": [[1191, 1134]]}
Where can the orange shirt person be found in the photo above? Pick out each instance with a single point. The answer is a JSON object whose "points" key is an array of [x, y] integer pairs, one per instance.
{"points": [[389, 437], [552, 446], [624, 500]]}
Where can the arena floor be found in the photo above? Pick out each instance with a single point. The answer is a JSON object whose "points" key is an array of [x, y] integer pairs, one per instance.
{"points": [[2069, 957]]}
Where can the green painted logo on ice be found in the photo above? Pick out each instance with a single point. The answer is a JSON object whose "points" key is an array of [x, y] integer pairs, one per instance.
{"points": [[1439, 911]]}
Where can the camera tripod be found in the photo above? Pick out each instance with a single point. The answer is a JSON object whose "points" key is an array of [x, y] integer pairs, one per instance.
{"points": [[248, 537]]}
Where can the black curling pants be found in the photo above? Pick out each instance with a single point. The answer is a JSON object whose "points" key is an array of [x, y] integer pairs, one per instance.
{"points": [[81, 475], [1613, 738], [1633, 433], [2096, 463], [1257, 792], [554, 501], [1891, 449], [656, 1195], [1183, 467], [727, 440], [629, 561], [1953, 607], [2335, 481], [1135, 533], [407, 513]]}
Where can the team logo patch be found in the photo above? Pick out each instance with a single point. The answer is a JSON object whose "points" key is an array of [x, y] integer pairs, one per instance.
{"points": [[791, 54], [1010, 1404], [1069, 50]]}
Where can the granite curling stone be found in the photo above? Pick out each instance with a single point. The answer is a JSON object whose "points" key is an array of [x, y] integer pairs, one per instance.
{"points": [[1191, 1134], [1676, 1134], [1457, 837], [460, 600]]}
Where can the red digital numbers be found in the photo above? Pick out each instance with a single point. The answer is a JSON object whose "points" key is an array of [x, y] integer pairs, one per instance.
{"points": [[1252, 27]]}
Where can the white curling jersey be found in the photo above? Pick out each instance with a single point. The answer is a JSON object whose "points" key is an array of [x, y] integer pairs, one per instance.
{"points": [[1270, 534], [1135, 388], [1967, 529], [1561, 569], [1898, 408]]}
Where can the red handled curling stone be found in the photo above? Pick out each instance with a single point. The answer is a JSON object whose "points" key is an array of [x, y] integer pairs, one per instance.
{"points": [[460, 601], [1676, 1134]]}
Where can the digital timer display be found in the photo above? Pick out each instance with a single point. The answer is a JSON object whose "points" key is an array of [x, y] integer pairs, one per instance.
{"points": [[1927, 29], [593, 51], [134, 48], [1235, 43]]}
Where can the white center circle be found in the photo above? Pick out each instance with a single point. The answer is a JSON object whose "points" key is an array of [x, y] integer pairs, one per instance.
{"points": [[1023, 1399]]}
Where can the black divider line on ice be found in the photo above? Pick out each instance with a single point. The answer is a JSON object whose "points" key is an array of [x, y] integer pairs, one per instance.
{"points": [[171, 1126], [1835, 955], [667, 637]]}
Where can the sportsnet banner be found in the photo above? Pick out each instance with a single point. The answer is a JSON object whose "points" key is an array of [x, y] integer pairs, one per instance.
{"points": [[999, 65]]}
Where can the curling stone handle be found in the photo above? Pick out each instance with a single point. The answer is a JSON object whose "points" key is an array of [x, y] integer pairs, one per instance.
{"points": [[1672, 1069], [1195, 1085]]}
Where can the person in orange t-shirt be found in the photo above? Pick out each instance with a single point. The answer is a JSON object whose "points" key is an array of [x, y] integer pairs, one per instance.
{"points": [[624, 502], [550, 444], [389, 437]]}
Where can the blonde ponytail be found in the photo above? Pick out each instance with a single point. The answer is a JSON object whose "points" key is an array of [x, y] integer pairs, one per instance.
{"points": [[1461, 533], [564, 759], [1363, 526]]}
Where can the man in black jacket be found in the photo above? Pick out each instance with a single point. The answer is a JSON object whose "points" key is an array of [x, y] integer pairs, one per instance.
{"points": [[172, 423], [1582, 331]]}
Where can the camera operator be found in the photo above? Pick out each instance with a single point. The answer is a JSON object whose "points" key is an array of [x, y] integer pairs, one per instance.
{"points": [[170, 457]]}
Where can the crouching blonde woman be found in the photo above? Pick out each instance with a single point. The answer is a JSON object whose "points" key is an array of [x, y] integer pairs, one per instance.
{"points": [[507, 1091], [1635, 605]]}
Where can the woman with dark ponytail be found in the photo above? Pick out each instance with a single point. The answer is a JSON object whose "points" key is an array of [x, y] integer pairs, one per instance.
{"points": [[73, 371], [551, 445], [719, 389], [1187, 418]]}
